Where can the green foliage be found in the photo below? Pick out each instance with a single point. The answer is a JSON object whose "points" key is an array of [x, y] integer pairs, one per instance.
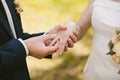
{"points": [[111, 45], [70, 69]]}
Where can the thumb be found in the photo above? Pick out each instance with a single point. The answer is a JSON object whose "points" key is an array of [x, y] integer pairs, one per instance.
{"points": [[61, 27], [54, 41], [49, 36], [52, 49], [57, 29]]}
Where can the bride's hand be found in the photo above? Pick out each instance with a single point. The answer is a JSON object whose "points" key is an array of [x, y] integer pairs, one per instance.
{"points": [[67, 36]]}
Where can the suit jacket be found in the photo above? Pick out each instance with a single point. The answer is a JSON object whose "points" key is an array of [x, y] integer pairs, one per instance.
{"points": [[12, 52]]}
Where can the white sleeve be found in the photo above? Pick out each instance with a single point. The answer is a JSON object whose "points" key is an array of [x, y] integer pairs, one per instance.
{"points": [[26, 49], [45, 33]]}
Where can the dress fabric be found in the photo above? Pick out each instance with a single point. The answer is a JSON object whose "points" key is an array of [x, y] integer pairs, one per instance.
{"points": [[105, 20]]}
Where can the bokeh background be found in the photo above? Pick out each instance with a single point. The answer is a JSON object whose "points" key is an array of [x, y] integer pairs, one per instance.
{"points": [[43, 15]]}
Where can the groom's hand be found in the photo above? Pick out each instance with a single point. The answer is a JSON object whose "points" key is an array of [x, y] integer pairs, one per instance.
{"points": [[37, 47]]}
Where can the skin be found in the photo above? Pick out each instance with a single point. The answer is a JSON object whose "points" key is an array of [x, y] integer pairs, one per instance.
{"points": [[67, 37], [44, 45], [85, 20], [67, 34], [116, 0], [37, 48], [75, 31]]}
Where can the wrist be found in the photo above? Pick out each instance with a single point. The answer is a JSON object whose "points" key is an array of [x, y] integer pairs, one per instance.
{"points": [[27, 43], [80, 35], [25, 46]]}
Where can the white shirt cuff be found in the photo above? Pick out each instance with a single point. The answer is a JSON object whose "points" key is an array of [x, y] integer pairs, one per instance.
{"points": [[26, 49], [45, 33]]}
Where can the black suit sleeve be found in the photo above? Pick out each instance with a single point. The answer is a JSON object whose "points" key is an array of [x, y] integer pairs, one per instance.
{"points": [[26, 35], [12, 57]]}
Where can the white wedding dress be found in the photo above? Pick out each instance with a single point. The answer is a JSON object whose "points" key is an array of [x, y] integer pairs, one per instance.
{"points": [[105, 20]]}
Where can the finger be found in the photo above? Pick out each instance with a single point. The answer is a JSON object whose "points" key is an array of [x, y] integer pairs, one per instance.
{"points": [[47, 43], [76, 33], [58, 51], [62, 45], [49, 36], [54, 41], [70, 43], [52, 49], [66, 49], [61, 27], [56, 29], [73, 38]]}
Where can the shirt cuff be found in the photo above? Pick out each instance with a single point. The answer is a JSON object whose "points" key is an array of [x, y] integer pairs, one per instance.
{"points": [[26, 49], [45, 33]]}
